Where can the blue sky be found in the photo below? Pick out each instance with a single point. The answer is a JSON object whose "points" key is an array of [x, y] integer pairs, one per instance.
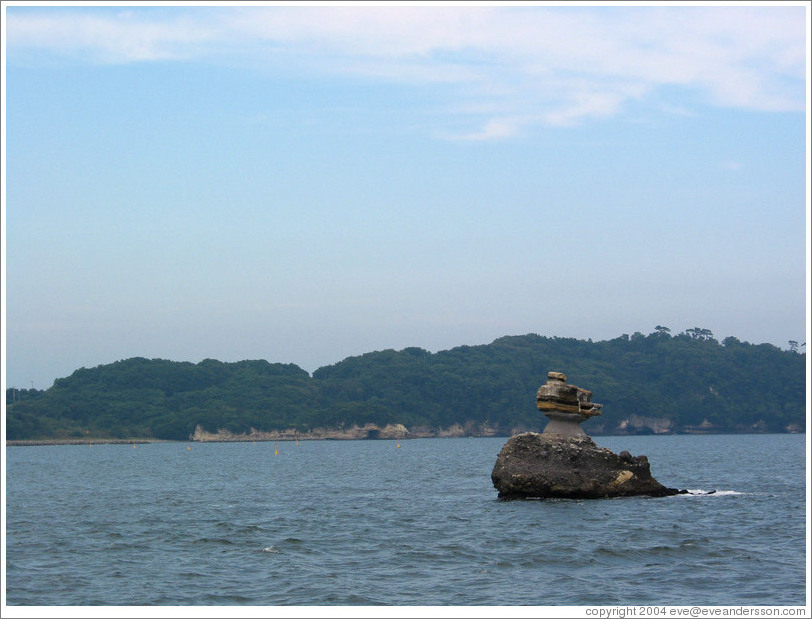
{"points": [[303, 184]]}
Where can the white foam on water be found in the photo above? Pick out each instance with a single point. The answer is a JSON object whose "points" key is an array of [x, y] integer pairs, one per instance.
{"points": [[701, 492]]}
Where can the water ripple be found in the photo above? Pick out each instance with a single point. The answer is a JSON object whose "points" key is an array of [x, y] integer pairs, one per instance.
{"points": [[348, 524]]}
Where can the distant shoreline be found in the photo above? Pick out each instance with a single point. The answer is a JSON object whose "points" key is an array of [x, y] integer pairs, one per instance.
{"points": [[258, 439], [83, 441]]}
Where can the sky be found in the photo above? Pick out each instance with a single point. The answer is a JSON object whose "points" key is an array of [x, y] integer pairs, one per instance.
{"points": [[306, 183]]}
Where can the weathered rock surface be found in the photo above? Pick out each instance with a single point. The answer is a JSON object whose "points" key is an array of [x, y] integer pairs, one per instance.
{"points": [[533, 465], [567, 406], [557, 395]]}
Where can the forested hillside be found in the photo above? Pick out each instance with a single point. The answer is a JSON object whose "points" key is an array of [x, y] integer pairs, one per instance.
{"points": [[656, 383]]}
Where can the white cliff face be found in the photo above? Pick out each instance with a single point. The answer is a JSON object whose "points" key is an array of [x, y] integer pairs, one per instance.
{"points": [[658, 425]]}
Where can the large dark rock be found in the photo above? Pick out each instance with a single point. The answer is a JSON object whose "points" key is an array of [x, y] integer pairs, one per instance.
{"points": [[533, 465]]}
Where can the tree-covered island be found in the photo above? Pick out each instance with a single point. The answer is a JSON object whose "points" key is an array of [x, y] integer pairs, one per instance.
{"points": [[657, 383]]}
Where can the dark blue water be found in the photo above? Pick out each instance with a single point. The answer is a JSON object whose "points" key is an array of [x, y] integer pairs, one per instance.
{"points": [[366, 522]]}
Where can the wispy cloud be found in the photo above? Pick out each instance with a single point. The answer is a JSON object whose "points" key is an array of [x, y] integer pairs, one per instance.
{"points": [[108, 39], [530, 65], [493, 129]]}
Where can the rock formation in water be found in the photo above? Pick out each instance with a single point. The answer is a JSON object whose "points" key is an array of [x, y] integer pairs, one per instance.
{"points": [[563, 462]]}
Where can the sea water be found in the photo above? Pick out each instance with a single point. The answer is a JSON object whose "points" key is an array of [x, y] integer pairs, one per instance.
{"points": [[415, 522]]}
